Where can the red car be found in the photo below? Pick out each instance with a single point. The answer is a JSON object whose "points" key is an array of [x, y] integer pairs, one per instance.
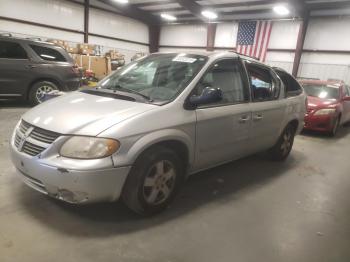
{"points": [[328, 105]]}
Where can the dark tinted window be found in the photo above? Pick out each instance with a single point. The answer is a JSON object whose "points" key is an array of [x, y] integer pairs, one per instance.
{"points": [[292, 87], [48, 54], [12, 50], [226, 75], [264, 86]]}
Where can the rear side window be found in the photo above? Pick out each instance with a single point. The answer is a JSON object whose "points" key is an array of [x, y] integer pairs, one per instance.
{"points": [[292, 86], [48, 54], [11, 50], [264, 86]]}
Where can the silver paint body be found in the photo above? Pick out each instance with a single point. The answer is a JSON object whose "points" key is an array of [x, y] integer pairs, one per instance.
{"points": [[212, 136]]}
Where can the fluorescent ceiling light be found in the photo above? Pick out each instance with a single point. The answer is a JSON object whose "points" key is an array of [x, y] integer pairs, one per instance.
{"points": [[209, 14], [281, 10], [168, 17], [122, 1]]}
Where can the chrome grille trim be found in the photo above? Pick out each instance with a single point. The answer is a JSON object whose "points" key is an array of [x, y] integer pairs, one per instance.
{"points": [[32, 149], [37, 140]]}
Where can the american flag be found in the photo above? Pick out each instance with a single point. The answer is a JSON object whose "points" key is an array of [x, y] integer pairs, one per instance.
{"points": [[253, 38]]}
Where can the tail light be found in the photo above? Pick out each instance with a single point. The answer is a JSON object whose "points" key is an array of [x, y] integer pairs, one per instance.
{"points": [[75, 69]]}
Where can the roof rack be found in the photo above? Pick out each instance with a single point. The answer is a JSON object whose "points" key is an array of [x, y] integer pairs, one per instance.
{"points": [[34, 38], [6, 34], [247, 56]]}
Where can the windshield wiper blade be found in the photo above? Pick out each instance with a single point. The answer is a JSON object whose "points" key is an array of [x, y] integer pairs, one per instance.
{"points": [[121, 88]]}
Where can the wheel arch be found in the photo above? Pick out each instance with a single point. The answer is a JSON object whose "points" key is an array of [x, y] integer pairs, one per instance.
{"points": [[175, 140], [41, 79]]}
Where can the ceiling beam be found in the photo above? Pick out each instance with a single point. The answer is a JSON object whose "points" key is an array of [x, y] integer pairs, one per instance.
{"points": [[328, 5], [133, 12], [193, 7]]}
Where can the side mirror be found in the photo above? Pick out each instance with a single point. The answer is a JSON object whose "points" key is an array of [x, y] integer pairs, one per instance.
{"points": [[346, 98], [208, 96]]}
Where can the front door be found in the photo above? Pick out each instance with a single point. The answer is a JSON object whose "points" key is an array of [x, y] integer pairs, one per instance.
{"points": [[222, 129]]}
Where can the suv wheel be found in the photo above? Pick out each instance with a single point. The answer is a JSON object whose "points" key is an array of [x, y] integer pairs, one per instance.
{"points": [[153, 181], [38, 91], [284, 144]]}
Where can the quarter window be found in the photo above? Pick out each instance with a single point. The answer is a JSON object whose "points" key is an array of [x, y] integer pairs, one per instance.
{"points": [[292, 87], [48, 54], [12, 50], [226, 75], [264, 86]]}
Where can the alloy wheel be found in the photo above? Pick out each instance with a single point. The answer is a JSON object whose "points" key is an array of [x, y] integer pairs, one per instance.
{"points": [[287, 141], [42, 90], [159, 182]]}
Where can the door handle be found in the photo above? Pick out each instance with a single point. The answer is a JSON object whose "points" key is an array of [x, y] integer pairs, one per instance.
{"points": [[30, 66], [258, 117], [243, 119]]}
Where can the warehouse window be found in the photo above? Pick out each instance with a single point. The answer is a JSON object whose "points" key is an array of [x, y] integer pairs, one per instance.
{"points": [[48, 54], [12, 50]]}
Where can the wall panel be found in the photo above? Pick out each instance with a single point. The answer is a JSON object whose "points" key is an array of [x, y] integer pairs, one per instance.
{"points": [[183, 35], [51, 12]]}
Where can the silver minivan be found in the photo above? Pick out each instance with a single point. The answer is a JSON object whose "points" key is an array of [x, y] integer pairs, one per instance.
{"points": [[145, 128]]}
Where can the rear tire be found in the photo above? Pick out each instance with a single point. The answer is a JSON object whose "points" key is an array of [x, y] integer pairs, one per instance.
{"points": [[38, 91], [154, 181], [284, 145]]}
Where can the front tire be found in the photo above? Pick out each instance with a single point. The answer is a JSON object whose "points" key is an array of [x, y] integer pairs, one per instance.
{"points": [[153, 181], [335, 128], [38, 90], [282, 148]]}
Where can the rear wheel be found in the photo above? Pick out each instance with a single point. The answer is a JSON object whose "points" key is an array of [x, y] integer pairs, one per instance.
{"points": [[284, 144], [153, 181], [38, 91]]}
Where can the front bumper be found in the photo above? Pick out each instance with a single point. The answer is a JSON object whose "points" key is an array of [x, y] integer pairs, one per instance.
{"points": [[323, 123], [70, 185]]}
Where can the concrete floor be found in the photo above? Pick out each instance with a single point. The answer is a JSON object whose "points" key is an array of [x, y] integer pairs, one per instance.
{"points": [[249, 210]]}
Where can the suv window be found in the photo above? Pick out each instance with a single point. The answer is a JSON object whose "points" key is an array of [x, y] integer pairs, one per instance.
{"points": [[292, 87], [12, 50], [264, 86], [226, 75], [48, 54]]}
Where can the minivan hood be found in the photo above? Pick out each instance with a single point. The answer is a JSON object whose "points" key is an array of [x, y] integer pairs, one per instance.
{"points": [[83, 114]]}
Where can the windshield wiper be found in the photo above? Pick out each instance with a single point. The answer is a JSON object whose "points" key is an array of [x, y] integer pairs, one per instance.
{"points": [[121, 88]]}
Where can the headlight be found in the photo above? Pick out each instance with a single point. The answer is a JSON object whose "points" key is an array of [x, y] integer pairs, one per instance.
{"points": [[83, 147], [326, 111]]}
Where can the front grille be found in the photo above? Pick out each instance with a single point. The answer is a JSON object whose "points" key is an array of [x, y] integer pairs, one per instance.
{"points": [[32, 149], [36, 134], [43, 135]]}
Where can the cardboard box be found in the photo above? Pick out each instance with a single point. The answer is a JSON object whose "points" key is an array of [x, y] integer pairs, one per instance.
{"points": [[114, 55], [100, 66]]}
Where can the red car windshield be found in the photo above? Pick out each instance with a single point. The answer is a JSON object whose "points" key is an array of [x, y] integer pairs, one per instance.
{"points": [[322, 91]]}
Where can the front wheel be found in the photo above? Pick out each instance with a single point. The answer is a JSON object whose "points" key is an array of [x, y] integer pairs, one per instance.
{"points": [[284, 145], [153, 181], [38, 91], [335, 127]]}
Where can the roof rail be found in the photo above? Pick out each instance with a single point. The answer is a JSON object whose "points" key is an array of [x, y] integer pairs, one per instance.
{"points": [[34, 38], [251, 57], [6, 34]]}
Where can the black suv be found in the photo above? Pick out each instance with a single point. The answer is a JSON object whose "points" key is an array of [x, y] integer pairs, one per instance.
{"points": [[30, 69]]}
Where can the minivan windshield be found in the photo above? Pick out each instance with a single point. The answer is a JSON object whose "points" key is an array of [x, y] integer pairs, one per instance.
{"points": [[158, 78], [322, 91]]}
